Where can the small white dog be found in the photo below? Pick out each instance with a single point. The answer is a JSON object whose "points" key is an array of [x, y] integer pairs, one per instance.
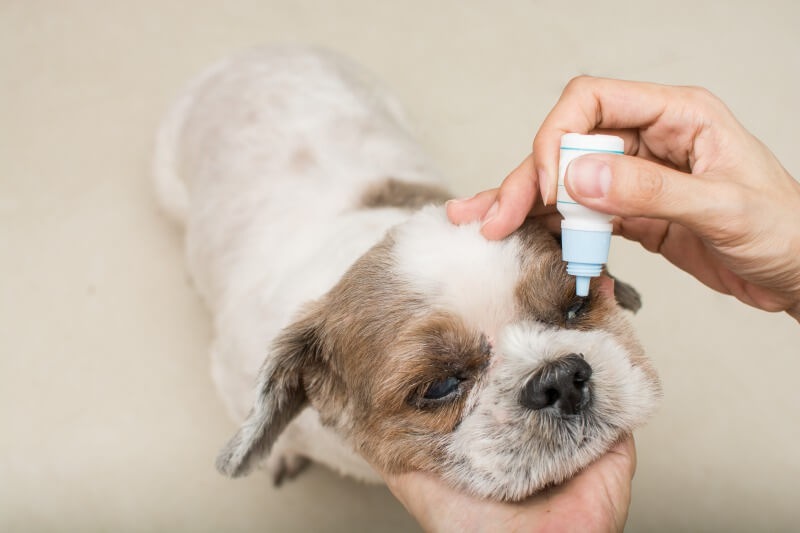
{"points": [[377, 332]]}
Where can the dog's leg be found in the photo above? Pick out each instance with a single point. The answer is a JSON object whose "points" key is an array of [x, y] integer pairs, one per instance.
{"points": [[286, 466], [287, 459]]}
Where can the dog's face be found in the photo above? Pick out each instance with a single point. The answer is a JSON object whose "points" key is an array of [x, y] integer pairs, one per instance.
{"points": [[444, 352]]}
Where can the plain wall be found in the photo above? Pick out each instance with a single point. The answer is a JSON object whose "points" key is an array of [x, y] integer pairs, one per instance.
{"points": [[108, 419]]}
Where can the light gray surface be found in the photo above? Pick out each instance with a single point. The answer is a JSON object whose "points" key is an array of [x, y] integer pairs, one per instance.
{"points": [[108, 420]]}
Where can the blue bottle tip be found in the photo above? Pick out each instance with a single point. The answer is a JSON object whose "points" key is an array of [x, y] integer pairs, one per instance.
{"points": [[582, 285]]}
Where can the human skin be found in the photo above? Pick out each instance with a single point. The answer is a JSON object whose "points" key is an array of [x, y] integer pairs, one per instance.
{"points": [[595, 500], [694, 186]]}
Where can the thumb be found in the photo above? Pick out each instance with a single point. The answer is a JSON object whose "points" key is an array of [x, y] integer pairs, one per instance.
{"points": [[634, 187]]}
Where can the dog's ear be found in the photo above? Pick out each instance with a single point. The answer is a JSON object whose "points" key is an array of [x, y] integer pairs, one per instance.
{"points": [[627, 297], [279, 397]]}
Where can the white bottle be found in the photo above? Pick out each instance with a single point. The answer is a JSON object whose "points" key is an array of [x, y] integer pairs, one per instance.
{"points": [[585, 234]]}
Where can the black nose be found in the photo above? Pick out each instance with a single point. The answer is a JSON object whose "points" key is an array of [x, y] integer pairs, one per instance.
{"points": [[563, 385]]}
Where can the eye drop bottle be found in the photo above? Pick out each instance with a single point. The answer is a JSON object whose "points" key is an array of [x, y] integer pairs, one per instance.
{"points": [[585, 234]]}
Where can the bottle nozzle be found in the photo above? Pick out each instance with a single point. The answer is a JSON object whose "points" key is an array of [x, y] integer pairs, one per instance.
{"points": [[585, 252], [582, 285]]}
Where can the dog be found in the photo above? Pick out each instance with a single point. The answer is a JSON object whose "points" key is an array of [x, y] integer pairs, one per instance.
{"points": [[354, 325]]}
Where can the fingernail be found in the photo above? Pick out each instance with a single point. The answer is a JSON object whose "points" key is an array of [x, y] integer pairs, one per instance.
{"points": [[455, 201], [544, 187], [490, 214], [589, 177]]}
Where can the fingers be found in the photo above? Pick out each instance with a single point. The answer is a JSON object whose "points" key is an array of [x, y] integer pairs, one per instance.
{"points": [[502, 210], [679, 245], [588, 104], [428, 500], [515, 199], [633, 187], [656, 122], [624, 452], [471, 209]]}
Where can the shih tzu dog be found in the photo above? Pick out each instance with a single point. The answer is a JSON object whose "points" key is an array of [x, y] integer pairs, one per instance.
{"points": [[354, 325]]}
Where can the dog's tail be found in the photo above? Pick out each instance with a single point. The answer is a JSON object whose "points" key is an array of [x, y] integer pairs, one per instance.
{"points": [[171, 188]]}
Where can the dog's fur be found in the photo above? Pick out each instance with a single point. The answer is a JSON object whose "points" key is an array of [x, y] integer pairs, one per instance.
{"points": [[345, 296]]}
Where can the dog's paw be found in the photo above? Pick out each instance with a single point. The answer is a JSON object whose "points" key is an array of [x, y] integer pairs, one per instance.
{"points": [[285, 466]]}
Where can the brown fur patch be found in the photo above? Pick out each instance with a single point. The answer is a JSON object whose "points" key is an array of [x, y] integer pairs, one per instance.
{"points": [[626, 295], [547, 293], [392, 192], [404, 430], [372, 369], [365, 354], [352, 336]]}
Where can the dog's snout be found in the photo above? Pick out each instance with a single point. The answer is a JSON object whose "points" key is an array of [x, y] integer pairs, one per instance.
{"points": [[562, 385]]}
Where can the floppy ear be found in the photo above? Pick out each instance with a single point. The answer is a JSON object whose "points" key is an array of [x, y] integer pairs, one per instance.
{"points": [[279, 398], [627, 297]]}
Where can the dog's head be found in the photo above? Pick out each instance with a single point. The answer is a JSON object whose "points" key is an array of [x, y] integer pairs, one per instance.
{"points": [[444, 352]]}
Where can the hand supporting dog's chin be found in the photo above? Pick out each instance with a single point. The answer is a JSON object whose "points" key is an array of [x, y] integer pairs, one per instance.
{"points": [[596, 499]]}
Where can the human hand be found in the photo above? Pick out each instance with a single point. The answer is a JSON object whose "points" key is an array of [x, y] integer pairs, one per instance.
{"points": [[597, 499], [694, 186]]}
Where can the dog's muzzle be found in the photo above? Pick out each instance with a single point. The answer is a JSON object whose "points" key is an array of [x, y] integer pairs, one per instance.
{"points": [[561, 386]]}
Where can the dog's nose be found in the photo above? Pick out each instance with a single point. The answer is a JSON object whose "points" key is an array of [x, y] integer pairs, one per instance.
{"points": [[562, 385]]}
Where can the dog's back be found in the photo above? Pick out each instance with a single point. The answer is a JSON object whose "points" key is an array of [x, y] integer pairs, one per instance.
{"points": [[268, 144], [283, 165]]}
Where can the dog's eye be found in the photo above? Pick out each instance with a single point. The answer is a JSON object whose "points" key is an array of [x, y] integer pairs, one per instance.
{"points": [[442, 388], [575, 310]]}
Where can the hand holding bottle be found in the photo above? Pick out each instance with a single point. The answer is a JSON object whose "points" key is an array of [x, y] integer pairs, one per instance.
{"points": [[694, 186]]}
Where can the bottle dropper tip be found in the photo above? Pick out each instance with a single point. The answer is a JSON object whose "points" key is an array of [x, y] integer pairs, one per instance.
{"points": [[582, 285]]}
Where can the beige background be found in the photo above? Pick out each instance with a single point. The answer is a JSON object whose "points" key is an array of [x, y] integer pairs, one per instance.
{"points": [[108, 420]]}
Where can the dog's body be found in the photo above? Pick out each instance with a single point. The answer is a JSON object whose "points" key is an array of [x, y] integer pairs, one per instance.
{"points": [[388, 333]]}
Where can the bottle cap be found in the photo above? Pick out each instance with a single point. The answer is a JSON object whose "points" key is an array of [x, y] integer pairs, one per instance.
{"points": [[593, 143]]}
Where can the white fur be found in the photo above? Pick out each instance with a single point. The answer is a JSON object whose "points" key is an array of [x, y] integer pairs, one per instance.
{"points": [[260, 174], [623, 396], [456, 268], [264, 159]]}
